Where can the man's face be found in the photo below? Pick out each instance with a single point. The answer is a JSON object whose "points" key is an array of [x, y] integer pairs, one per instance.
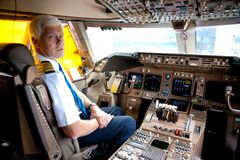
{"points": [[51, 42]]}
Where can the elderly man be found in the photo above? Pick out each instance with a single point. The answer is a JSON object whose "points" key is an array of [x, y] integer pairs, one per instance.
{"points": [[76, 115]]}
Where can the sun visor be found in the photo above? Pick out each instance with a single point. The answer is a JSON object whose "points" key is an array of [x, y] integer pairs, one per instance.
{"points": [[120, 63]]}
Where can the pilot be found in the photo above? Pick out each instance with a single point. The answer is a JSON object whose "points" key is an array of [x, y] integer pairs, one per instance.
{"points": [[76, 115]]}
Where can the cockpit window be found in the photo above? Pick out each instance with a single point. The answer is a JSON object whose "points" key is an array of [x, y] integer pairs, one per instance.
{"points": [[211, 40], [130, 40], [218, 40]]}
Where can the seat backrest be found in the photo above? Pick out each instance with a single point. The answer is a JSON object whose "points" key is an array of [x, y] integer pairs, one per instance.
{"points": [[22, 65], [34, 96]]}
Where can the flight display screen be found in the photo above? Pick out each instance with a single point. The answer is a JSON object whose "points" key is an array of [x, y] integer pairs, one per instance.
{"points": [[181, 104], [152, 82], [160, 144], [135, 79], [236, 91], [181, 87], [215, 91]]}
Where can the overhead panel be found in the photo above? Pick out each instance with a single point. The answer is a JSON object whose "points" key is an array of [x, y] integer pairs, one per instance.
{"points": [[159, 11]]}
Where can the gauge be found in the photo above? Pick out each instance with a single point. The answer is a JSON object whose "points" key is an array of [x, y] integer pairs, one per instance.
{"points": [[165, 92], [167, 76]]}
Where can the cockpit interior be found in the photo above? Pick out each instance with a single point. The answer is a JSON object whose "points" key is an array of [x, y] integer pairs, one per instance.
{"points": [[174, 66]]}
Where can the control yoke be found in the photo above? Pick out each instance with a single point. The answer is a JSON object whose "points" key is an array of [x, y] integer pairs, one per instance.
{"points": [[228, 94]]}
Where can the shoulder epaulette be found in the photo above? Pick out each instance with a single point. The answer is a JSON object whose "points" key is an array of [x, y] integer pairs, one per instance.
{"points": [[45, 67]]}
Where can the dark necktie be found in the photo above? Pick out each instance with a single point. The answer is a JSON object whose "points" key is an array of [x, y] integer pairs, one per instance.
{"points": [[77, 99]]}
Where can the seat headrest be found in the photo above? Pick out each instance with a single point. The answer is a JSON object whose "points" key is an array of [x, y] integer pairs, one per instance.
{"points": [[18, 56]]}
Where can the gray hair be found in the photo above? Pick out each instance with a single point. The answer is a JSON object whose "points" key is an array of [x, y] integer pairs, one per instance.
{"points": [[38, 24]]}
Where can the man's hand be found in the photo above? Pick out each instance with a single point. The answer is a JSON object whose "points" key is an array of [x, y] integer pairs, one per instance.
{"points": [[102, 117]]}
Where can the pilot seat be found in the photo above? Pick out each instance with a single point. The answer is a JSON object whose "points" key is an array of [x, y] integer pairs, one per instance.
{"points": [[30, 110]]}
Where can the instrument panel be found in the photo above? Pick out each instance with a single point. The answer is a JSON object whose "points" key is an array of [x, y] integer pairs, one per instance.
{"points": [[185, 77], [181, 89], [162, 84], [181, 80], [206, 62]]}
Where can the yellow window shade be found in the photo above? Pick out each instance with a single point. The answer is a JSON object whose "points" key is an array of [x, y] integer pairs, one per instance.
{"points": [[71, 58], [13, 31]]}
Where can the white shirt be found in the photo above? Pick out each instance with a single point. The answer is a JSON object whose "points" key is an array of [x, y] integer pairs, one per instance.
{"points": [[65, 109]]}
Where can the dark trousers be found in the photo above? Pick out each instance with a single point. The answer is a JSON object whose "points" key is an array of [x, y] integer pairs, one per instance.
{"points": [[117, 131]]}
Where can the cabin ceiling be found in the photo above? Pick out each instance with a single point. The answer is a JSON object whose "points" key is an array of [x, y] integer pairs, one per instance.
{"points": [[70, 9], [179, 13]]}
